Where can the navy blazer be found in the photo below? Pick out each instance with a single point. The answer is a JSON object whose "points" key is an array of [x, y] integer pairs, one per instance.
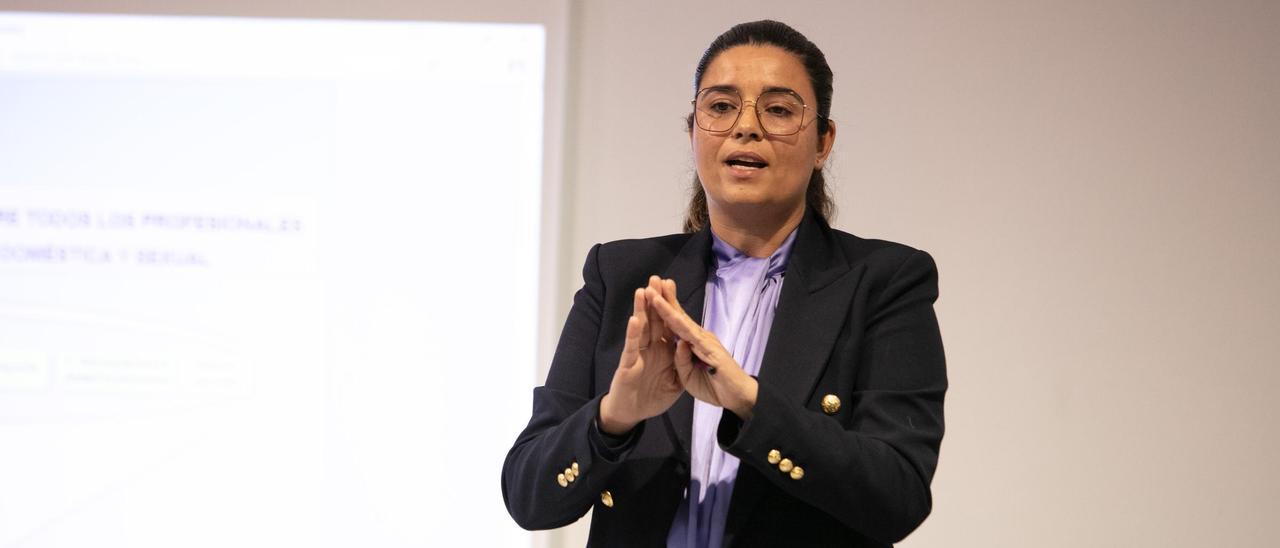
{"points": [[855, 322]]}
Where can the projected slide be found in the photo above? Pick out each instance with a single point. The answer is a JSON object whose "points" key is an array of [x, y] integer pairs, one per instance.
{"points": [[264, 282]]}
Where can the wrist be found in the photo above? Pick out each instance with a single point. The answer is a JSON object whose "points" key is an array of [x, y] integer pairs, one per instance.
{"points": [[609, 421], [745, 402]]}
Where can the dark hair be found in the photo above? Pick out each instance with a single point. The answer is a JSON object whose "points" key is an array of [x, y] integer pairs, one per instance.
{"points": [[780, 35]]}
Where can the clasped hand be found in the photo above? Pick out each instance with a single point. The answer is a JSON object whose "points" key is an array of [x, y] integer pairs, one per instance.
{"points": [[666, 353]]}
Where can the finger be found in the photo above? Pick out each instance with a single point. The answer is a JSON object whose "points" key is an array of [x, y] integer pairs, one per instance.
{"points": [[669, 292], [659, 333], [705, 346], [631, 346], [677, 321], [657, 327], [640, 311], [708, 352], [679, 325]]}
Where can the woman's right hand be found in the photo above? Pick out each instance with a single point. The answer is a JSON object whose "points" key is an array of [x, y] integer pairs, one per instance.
{"points": [[646, 383]]}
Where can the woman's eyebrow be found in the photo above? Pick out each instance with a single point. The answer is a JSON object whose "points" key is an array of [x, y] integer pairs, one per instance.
{"points": [[771, 89], [720, 88]]}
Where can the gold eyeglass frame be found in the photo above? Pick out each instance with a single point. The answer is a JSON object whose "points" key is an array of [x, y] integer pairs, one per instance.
{"points": [[755, 105]]}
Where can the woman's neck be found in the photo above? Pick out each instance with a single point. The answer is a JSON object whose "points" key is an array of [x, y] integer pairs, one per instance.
{"points": [[754, 231]]}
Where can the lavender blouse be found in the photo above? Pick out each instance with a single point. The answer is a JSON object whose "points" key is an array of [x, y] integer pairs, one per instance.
{"points": [[742, 294]]}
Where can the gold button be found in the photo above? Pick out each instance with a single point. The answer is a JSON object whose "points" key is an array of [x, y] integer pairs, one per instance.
{"points": [[569, 475], [830, 404], [797, 473], [785, 465], [574, 467], [606, 498], [775, 456], [563, 481]]}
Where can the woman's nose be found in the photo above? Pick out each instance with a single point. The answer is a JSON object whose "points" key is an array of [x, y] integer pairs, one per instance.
{"points": [[748, 125]]}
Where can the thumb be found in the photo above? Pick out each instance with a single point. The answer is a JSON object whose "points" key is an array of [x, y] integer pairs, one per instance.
{"points": [[684, 359]]}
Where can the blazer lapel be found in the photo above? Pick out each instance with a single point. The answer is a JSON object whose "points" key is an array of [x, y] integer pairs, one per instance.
{"points": [[689, 270], [809, 314], [805, 325]]}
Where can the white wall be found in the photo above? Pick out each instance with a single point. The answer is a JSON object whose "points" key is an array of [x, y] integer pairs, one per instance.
{"points": [[1100, 185]]}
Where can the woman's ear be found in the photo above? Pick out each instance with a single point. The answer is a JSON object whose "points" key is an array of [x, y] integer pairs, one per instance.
{"points": [[825, 144]]}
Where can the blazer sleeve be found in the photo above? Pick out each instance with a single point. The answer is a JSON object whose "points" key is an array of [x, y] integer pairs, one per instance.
{"points": [[562, 431], [873, 472]]}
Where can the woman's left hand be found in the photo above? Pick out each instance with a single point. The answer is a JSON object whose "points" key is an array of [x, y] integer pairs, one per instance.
{"points": [[707, 371]]}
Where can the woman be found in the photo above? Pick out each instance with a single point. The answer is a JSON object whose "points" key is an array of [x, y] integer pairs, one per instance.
{"points": [[695, 399]]}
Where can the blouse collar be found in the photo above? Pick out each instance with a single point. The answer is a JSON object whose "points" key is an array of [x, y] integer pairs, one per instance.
{"points": [[727, 256]]}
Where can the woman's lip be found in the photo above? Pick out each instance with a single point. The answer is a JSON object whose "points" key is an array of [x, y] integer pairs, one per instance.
{"points": [[746, 156], [743, 172]]}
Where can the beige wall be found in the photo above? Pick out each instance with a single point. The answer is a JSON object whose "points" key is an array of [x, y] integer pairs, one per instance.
{"points": [[1100, 185]]}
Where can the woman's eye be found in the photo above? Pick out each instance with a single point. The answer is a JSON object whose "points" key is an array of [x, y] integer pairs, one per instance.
{"points": [[780, 111], [723, 106]]}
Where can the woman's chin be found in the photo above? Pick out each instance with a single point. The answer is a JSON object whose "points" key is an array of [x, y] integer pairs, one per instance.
{"points": [[754, 204]]}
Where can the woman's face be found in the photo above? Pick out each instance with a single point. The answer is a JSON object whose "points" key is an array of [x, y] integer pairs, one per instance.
{"points": [[773, 181]]}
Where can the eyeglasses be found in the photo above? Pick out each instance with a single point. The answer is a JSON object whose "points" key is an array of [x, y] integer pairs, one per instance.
{"points": [[780, 112]]}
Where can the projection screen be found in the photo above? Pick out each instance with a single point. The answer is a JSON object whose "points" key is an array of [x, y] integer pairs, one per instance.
{"points": [[265, 281]]}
